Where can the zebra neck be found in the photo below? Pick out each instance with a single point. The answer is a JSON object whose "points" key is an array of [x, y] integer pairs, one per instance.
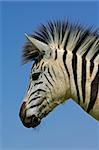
{"points": [[83, 81], [74, 67]]}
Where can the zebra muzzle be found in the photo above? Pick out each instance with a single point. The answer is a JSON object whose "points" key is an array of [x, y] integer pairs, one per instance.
{"points": [[31, 121]]}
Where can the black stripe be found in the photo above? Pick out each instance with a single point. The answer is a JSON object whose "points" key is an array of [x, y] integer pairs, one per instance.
{"points": [[40, 36], [38, 90], [48, 87], [50, 74], [80, 41], [34, 99], [38, 83], [64, 61], [43, 106], [36, 105], [94, 91], [66, 42], [83, 79], [74, 66], [91, 67], [94, 56], [92, 62], [42, 65], [50, 28], [45, 68], [55, 54], [49, 90], [53, 71], [48, 80], [37, 65]]}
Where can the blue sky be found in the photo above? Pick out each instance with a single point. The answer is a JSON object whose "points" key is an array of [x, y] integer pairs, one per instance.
{"points": [[68, 127]]}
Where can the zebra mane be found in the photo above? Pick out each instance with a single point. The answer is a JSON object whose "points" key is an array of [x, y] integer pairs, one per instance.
{"points": [[62, 35]]}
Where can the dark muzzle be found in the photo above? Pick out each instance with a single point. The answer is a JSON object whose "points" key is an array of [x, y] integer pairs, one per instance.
{"points": [[28, 122]]}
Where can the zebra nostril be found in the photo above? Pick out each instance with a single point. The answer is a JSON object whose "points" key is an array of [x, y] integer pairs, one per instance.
{"points": [[31, 121], [35, 121], [28, 122]]}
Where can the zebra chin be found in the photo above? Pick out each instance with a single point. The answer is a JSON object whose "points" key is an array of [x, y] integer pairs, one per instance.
{"points": [[28, 121], [31, 122]]}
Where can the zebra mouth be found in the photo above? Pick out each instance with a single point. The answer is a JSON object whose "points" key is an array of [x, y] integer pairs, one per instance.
{"points": [[35, 121], [31, 122]]}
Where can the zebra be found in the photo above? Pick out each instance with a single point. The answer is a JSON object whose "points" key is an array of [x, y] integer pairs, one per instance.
{"points": [[65, 66]]}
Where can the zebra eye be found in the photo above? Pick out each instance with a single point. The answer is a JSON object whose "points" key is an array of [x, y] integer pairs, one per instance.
{"points": [[35, 76]]}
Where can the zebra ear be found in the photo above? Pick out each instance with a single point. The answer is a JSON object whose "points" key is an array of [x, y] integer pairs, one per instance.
{"points": [[42, 47]]}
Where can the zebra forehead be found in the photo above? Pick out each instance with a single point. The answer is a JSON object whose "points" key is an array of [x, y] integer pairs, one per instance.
{"points": [[58, 34]]}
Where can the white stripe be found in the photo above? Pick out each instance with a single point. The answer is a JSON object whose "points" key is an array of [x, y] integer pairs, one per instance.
{"points": [[79, 75], [88, 83], [69, 66]]}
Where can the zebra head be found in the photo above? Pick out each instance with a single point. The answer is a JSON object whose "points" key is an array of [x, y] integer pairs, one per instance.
{"points": [[49, 83]]}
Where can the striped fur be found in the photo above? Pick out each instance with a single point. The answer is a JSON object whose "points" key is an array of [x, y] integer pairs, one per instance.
{"points": [[71, 71]]}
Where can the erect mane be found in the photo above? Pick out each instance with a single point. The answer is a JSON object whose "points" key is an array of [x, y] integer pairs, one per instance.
{"points": [[59, 34]]}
